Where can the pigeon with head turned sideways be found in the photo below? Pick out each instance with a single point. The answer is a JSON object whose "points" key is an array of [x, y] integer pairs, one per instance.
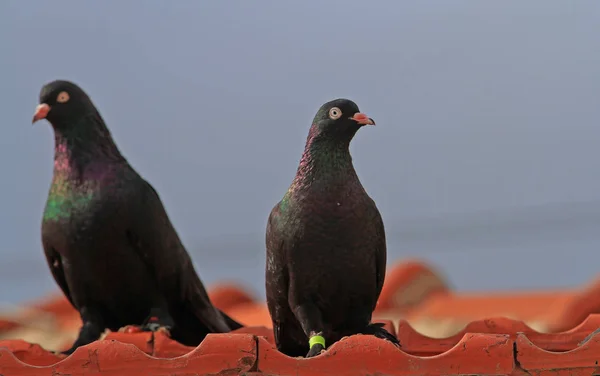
{"points": [[107, 238], [325, 240]]}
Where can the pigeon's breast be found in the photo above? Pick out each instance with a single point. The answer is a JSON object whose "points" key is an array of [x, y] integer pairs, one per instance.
{"points": [[67, 200]]}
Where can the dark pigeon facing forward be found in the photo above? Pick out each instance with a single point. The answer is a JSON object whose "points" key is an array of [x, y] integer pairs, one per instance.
{"points": [[107, 238], [326, 249]]}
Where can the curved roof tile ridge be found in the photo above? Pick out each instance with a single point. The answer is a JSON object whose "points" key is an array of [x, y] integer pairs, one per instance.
{"points": [[145, 353], [481, 354], [583, 302], [582, 360], [419, 344], [407, 284], [553, 334], [216, 354]]}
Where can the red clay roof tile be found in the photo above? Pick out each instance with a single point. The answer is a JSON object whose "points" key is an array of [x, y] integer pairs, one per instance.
{"points": [[418, 344], [6, 325], [408, 284], [474, 353], [28, 353], [429, 299], [225, 296], [483, 354], [217, 354], [476, 340], [582, 360]]}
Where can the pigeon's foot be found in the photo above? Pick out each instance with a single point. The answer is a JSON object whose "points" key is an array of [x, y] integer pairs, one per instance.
{"points": [[164, 330], [58, 353], [158, 321], [154, 326], [147, 327], [131, 329], [378, 331], [89, 332], [67, 352]]}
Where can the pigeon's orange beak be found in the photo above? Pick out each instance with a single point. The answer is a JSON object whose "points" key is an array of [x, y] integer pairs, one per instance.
{"points": [[362, 119], [41, 111]]}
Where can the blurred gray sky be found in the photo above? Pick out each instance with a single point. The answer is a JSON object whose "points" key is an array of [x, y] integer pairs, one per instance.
{"points": [[484, 160]]}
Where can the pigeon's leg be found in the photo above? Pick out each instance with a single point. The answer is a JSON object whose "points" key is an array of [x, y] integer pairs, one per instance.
{"points": [[312, 323], [286, 335], [159, 320], [90, 331]]}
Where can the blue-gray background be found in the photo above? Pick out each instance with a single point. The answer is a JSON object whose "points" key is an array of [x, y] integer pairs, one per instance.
{"points": [[484, 160]]}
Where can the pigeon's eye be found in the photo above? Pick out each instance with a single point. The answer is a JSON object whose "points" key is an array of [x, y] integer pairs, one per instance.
{"points": [[335, 113], [63, 97]]}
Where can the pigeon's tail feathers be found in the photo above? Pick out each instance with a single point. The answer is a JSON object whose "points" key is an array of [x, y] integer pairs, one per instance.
{"points": [[192, 326], [231, 323], [377, 330]]}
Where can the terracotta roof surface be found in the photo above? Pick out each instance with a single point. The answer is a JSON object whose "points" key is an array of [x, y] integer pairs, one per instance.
{"points": [[442, 332]]}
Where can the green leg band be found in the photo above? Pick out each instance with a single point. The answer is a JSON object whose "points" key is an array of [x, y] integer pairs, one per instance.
{"points": [[316, 339]]}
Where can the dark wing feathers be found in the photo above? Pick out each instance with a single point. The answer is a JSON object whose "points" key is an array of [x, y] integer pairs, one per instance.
{"points": [[277, 282], [380, 251], [276, 270], [233, 325], [152, 235], [55, 264]]}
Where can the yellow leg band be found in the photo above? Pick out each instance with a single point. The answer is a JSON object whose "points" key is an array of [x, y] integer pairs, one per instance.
{"points": [[316, 339]]}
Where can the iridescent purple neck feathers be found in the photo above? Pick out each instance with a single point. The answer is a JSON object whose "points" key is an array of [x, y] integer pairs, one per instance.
{"points": [[84, 143], [325, 159]]}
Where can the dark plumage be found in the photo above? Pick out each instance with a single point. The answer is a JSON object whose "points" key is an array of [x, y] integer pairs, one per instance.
{"points": [[326, 250], [107, 238]]}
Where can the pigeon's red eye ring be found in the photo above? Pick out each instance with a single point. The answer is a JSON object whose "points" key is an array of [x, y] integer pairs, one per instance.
{"points": [[335, 113], [62, 97]]}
